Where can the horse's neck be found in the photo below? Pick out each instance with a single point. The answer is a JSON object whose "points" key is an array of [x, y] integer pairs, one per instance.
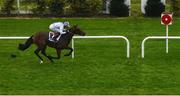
{"points": [[66, 38]]}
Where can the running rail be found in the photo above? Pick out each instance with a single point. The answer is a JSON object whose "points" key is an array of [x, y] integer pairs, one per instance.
{"points": [[155, 37], [101, 37], [13, 38], [78, 37]]}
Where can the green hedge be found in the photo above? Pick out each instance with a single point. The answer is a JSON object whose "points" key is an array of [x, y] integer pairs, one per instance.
{"points": [[41, 7], [56, 7], [118, 8], [175, 7], [84, 7], [68, 7], [154, 8], [52, 7], [8, 7]]}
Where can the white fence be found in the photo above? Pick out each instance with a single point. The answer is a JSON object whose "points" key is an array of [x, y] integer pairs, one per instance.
{"points": [[155, 37], [13, 38], [102, 37], [78, 37]]}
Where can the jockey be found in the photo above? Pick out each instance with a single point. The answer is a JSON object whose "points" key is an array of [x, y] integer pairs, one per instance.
{"points": [[60, 28]]}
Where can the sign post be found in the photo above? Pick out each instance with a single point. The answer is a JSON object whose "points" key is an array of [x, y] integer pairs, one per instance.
{"points": [[167, 31], [166, 19]]}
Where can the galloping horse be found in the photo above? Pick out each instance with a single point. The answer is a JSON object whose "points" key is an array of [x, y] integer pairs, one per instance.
{"points": [[41, 39]]}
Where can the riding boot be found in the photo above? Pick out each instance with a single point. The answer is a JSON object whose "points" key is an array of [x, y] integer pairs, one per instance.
{"points": [[54, 38]]}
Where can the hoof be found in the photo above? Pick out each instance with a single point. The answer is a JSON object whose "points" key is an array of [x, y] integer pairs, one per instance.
{"points": [[41, 62]]}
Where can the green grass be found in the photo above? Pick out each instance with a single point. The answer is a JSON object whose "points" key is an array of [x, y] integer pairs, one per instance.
{"points": [[99, 67]]}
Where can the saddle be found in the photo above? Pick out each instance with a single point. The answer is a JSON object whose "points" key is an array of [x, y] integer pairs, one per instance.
{"points": [[54, 36]]}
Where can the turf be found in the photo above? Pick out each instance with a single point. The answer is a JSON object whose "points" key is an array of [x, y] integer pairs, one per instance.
{"points": [[99, 67]]}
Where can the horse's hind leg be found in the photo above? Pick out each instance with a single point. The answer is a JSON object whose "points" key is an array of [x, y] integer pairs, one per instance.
{"points": [[71, 50], [43, 51], [37, 54]]}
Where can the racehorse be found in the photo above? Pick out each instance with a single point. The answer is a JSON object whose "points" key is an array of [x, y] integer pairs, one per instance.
{"points": [[41, 40]]}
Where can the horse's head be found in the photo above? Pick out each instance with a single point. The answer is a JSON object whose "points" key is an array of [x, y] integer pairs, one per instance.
{"points": [[76, 30]]}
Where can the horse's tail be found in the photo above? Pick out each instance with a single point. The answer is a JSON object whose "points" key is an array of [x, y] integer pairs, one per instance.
{"points": [[26, 45]]}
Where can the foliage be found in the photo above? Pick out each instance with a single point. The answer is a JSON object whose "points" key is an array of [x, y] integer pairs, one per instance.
{"points": [[118, 8], [8, 7], [154, 8], [175, 7], [85, 7], [52, 7], [56, 7], [136, 8], [41, 7]]}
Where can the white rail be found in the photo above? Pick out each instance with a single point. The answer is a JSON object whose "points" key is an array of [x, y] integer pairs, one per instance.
{"points": [[155, 37], [78, 37], [101, 37], [13, 38]]}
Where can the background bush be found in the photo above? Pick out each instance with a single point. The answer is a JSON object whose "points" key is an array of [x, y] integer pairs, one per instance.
{"points": [[175, 7], [118, 8], [51, 7], [8, 7], [56, 7], [84, 7], [154, 8], [41, 7]]}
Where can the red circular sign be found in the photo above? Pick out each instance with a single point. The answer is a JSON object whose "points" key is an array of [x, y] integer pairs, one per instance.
{"points": [[166, 19]]}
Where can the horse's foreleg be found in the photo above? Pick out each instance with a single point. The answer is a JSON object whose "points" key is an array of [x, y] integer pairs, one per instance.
{"points": [[58, 51], [37, 54], [70, 52], [43, 51]]}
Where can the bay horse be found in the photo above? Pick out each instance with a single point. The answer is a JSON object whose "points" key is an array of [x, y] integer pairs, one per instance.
{"points": [[41, 40]]}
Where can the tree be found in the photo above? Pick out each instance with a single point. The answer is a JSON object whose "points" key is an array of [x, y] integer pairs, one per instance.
{"points": [[119, 8], [85, 7], [8, 7], [154, 8], [175, 7], [41, 7], [56, 7]]}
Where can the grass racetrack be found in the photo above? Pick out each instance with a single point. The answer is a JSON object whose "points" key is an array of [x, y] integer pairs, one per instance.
{"points": [[100, 65]]}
